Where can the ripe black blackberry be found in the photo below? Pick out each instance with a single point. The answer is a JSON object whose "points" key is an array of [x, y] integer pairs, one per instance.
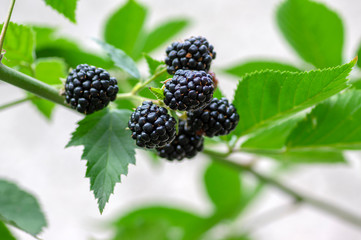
{"points": [[188, 90], [89, 89], [194, 53], [152, 126], [186, 144], [218, 118]]}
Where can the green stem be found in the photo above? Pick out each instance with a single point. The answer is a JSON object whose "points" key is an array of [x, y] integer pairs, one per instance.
{"points": [[140, 86], [5, 26], [299, 197], [11, 104], [30, 84]]}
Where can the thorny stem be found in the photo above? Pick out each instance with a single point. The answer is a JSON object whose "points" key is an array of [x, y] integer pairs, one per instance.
{"points": [[5, 27], [11, 104], [298, 196]]}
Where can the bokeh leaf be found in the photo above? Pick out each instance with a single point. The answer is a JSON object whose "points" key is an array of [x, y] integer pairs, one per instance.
{"points": [[241, 69], [313, 30], [20, 209], [121, 59], [334, 123], [19, 45], [124, 29], [64, 7], [108, 149], [161, 34], [264, 97], [157, 222]]}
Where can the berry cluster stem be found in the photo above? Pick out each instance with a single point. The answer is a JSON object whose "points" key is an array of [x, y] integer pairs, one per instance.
{"points": [[5, 27], [30, 84], [298, 196], [142, 85]]}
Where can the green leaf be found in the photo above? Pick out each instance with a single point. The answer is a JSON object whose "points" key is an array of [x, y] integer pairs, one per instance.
{"points": [[313, 30], [217, 93], [359, 56], [64, 7], [19, 45], [161, 34], [49, 71], [332, 124], [273, 137], [264, 97], [20, 209], [5, 232], [108, 148], [153, 64], [175, 116], [223, 186], [158, 93], [124, 29], [157, 223], [241, 69], [121, 59]]}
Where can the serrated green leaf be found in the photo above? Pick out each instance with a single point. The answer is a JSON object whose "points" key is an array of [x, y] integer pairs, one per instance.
{"points": [[223, 185], [49, 44], [242, 69], [50, 71], [274, 137], [108, 149], [121, 59], [161, 34], [5, 232], [334, 123], [20, 209], [265, 97], [65, 7], [124, 29], [157, 222], [313, 30], [19, 45], [158, 93]]}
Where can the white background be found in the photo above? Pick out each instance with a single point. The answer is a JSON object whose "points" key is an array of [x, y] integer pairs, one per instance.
{"points": [[32, 149]]}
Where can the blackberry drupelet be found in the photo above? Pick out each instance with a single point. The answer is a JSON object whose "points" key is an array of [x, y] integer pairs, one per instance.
{"points": [[188, 90], [89, 89], [152, 126], [186, 144], [194, 53], [218, 118]]}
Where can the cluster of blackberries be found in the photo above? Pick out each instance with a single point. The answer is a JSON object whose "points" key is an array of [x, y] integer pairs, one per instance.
{"points": [[89, 89], [190, 89]]}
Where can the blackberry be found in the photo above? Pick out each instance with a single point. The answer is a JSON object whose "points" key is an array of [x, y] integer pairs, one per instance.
{"points": [[194, 53], [152, 126], [188, 90], [218, 118], [89, 89], [186, 144]]}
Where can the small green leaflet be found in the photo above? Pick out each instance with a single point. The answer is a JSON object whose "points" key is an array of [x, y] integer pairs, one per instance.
{"points": [[108, 149], [153, 64], [241, 69], [313, 30], [19, 45], [121, 59], [265, 97], [64, 7], [158, 93], [20, 209], [334, 123], [175, 116]]}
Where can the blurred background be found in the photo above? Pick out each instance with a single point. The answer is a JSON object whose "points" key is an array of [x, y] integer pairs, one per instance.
{"points": [[32, 150]]}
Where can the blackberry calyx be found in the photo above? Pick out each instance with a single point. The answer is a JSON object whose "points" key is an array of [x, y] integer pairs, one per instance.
{"points": [[89, 89]]}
